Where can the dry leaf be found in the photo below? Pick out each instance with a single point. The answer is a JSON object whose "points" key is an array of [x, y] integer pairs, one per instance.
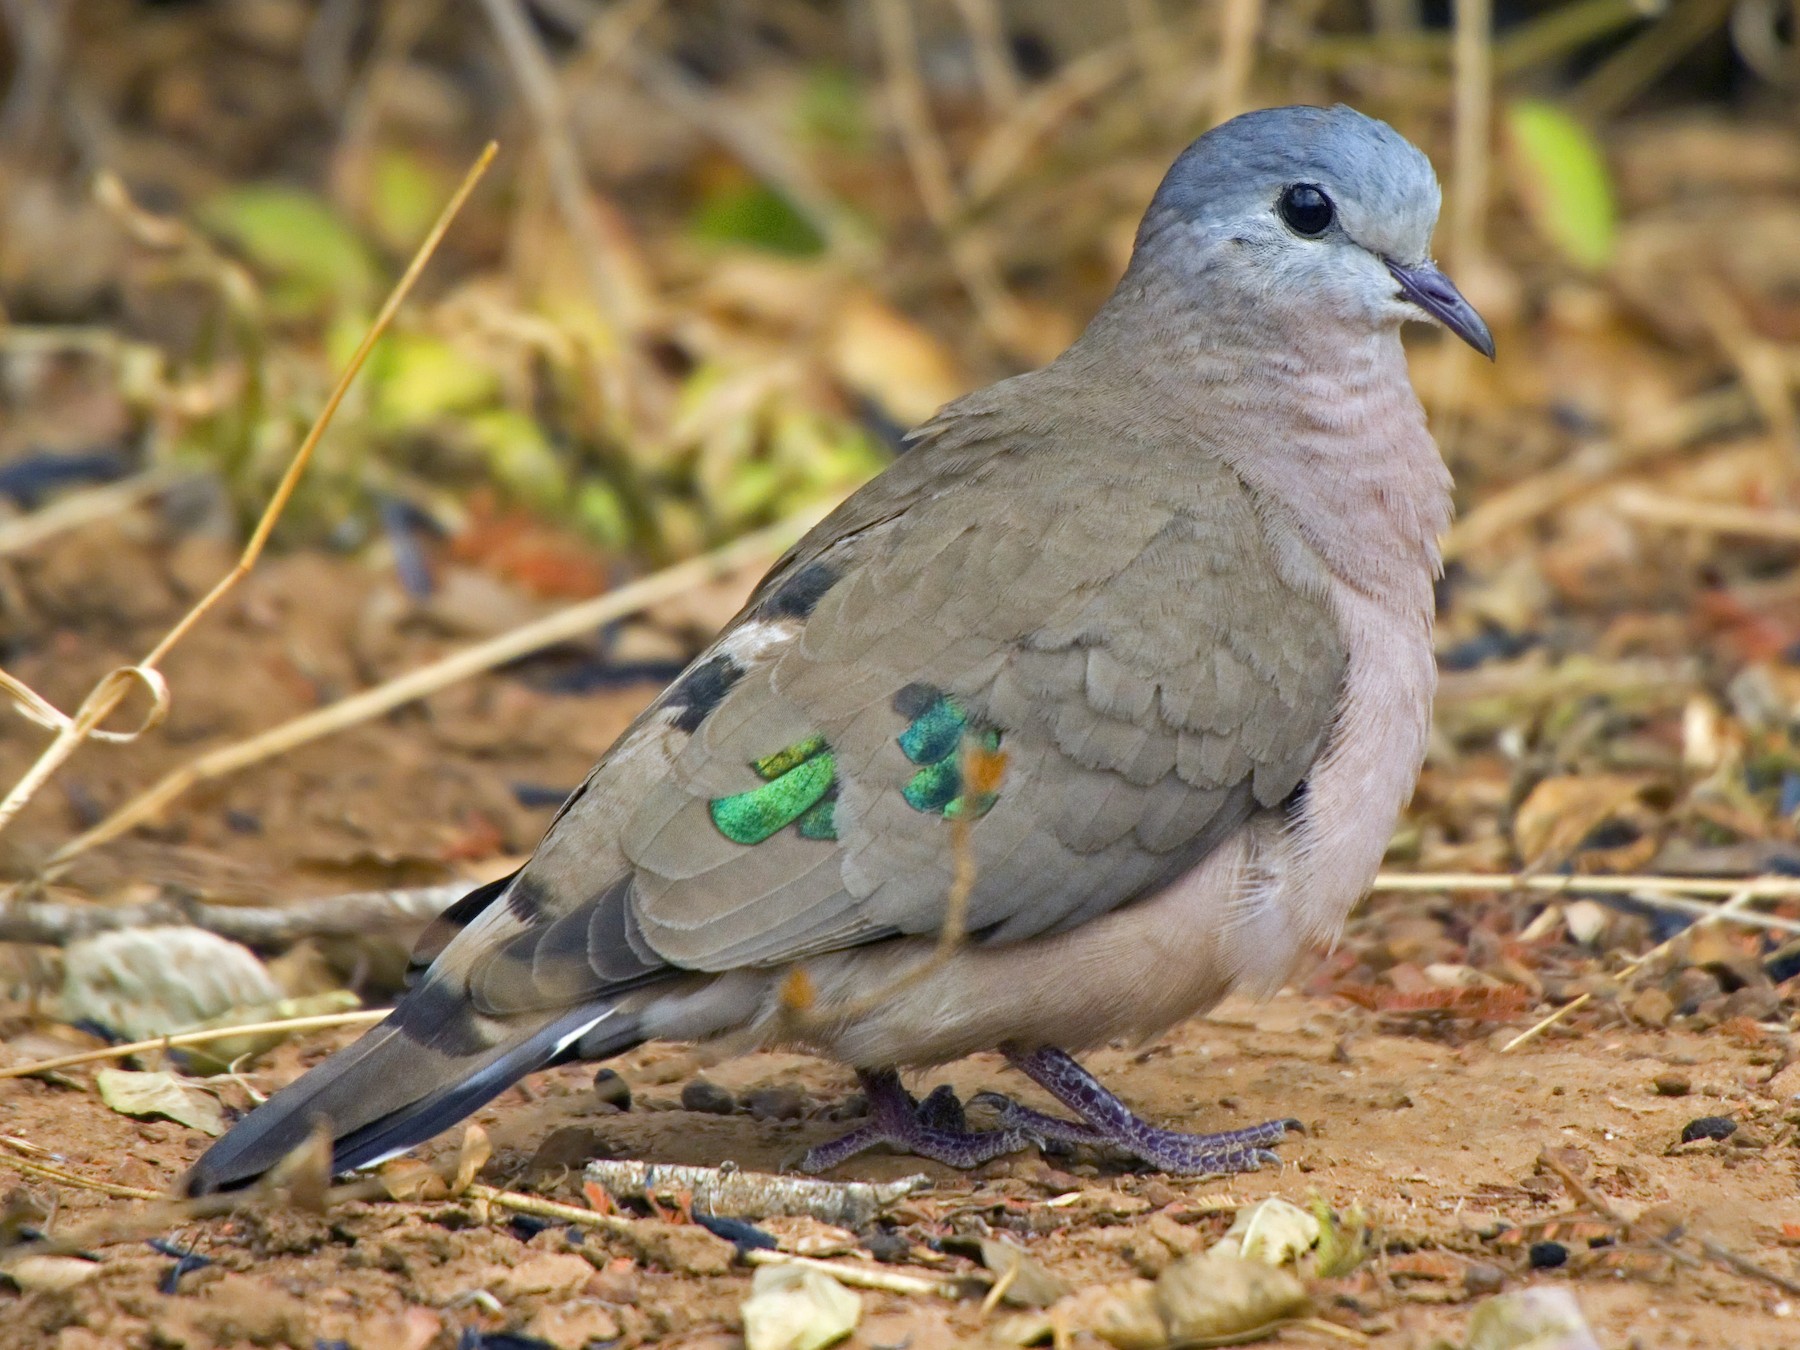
{"points": [[1542, 1318], [160, 1094], [1273, 1231], [38, 1273], [1207, 1297], [1580, 816], [139, 983], [1028, 1284], [797, 1308]]}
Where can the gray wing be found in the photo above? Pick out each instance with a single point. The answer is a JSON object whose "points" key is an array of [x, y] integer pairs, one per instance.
{"points": [[1149, 669]]}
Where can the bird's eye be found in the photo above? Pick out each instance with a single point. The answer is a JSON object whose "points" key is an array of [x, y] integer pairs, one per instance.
{"points": [[1307, 210]]}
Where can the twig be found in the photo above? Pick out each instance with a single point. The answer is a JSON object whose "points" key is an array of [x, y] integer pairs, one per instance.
{"points": [[50, 1172], [1240, 26], [1715, 1249], [112, 690], [359, 1018], [1644, 890], [863, 1277], [970, 256], [753, 1195], [1715, 517], [1743, 1265], [358, 914], [568, 183], [82, 508], [1592, 466], [1009, 145], [756, 147], [1738, 901], [1635, 66], [1759, 888], [994, 68], [416, 684]]}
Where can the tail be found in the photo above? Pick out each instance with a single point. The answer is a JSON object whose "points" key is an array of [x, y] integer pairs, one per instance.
{"points": [[419, 1072]]}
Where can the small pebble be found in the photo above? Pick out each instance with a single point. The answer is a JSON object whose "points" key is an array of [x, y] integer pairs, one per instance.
{"points": [[886, 1244], [1652, 1007], [1672, 1084], [1548, 1255], [776, 1103], [1693, 987], [1759, 1003], [1482, 1279], [612, 1090], [700, 1095], [1708, 1127]]}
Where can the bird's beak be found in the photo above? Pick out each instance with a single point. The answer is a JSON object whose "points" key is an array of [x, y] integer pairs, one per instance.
{"points": [[1433, 292]]}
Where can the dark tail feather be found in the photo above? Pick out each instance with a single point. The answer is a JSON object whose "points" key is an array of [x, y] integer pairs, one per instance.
{"points": [[392, 1090]]}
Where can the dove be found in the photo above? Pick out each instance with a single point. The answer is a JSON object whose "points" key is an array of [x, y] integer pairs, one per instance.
{"points": [[1128, 659]]}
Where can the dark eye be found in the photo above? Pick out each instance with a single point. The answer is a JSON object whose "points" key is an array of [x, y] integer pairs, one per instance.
{"points": [[1306, 209]]}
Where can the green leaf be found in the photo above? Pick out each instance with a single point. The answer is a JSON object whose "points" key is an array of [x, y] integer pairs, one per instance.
{"points": [[421, 378], [405, 194], [297, 240], [520, 457], [832, 109], [759, 217], [1562, 181]]}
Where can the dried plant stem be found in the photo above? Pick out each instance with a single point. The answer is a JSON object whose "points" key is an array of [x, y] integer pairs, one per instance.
{"points": [[112, 690], [1658, 892], [360, 1018], [358, 914], [65, 1177], [1590, 468], [862, 1277], [1240, 27], [970, 255], [568, 183], [561, 626], [1743, 897]]}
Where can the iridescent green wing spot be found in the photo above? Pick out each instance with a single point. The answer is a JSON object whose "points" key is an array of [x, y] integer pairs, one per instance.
{"points": [[801, 784], [933, 739]]}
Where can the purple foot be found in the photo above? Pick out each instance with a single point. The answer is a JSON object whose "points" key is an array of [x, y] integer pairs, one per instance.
{"points": [[932, 1129], [1107, 1122]]}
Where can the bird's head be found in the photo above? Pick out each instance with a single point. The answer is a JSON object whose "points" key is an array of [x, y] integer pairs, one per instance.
{"points": [[1317, 213]]}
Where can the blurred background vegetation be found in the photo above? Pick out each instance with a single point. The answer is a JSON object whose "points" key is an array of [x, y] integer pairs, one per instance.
{"points": [[732, 247]]}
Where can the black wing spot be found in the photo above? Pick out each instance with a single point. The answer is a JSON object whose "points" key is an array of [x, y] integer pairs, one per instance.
{"points": [[915, 698], [701, 690], [797, 596], [525, 901], [438, 1017]]}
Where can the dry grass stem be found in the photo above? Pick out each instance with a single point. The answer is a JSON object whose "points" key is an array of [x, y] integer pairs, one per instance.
{"points": [[568, 182], [561, 626], [864, 1277], [1748, 522], [1240, 26], [970, 255], [360, 1018], [1737, 901], [357, 914], [112, 690]]}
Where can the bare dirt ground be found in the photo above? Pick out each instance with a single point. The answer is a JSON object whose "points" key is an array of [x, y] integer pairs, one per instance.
{"points": [[1412, 1111]]}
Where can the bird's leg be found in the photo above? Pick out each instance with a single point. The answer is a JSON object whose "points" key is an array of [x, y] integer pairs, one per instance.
{"points": [[1107, 1121], [934, 1128]]}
